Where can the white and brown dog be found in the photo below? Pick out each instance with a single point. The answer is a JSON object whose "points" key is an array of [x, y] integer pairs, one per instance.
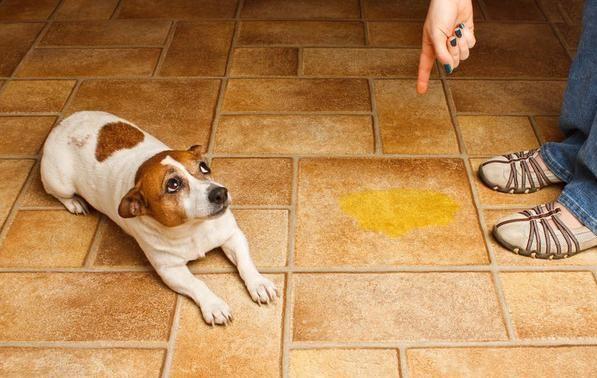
{"points": [[164, 198]]}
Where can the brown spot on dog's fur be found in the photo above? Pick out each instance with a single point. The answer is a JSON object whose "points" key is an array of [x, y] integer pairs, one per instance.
{"points": [[116, 136]]}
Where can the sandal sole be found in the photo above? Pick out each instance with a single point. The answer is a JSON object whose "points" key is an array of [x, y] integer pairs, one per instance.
{"points": [[525, 253]]}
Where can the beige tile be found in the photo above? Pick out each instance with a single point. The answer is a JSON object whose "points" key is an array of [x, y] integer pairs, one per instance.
{"points": [[178, 9], [549, 129], [395, 306], [264, 61], [343, 362], [333, 230], [395, 9], [85, 307], [291, 134], [116, 32], [539, 362], [310, 33], [513, 10], [63, 362], [395, 34], [13, 174], [506, 257], [287, 95], [15, 40], [234, 350], [198, 49], [89, 62], [36, 196], [255, 181], [552, 304], [411, 123], [490, 197], [24, 135], [300, 9], [35, 95], [179, 111], [27, 9], [116, 248], [86, 9], [570, 33], [491, 135], [61, 239]]}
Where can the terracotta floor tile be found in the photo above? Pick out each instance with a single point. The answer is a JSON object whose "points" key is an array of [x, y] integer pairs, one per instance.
{"points": [[506, 257], [549, 129], [395, 34], [552, 304], [288, 95], [66, 362], [511, 50], [116, 248], [574, 10], [310, 33], [512, 10], [255, 181], [300, 9], [293, 134], [396, 9], [116, 32], [490, 197], [571, 34], [178, 9], [35, 95], [15, 40], [251, 346], [414, 124], [268, 61], [23, 135], [360, 62], [86, 9], [332, 234], [85, 306], [36, 196], [538, 362], [179, 111], [198, 49], [508, 97], [490, 135], [61, 239], [27, 9], [343, 362], [13, 174], [395, 306], [551, 8]]}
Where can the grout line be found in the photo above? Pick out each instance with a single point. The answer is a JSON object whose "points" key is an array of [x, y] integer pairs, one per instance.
{"points": [[301, 62], [4, 226], [535, 127], [483, 9], [378, 141], [99, 344], [165, 49], [555, 29], [170, 349], [116, 11], [97, 237], [403, 362], [407, 344]]}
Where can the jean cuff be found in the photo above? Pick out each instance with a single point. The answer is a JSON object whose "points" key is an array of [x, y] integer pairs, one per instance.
{"points": [[553, 165], [583, 216]]}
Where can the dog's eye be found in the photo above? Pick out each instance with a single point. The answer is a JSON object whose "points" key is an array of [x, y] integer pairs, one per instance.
{"points": [[204, 168], [173, 185]]}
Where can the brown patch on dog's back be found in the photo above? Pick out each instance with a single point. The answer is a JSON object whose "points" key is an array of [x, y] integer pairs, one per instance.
{"points": [[116, 136]]}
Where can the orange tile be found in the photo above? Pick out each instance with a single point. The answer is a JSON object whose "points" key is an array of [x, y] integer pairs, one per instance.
{"points": [[291, 134], [178, 9], [198, 49], [27, 9], [255, 181], [395, 306], [552, 304], [490, 135], [571, 34], [13, 174], [508, 97], [85, 307], [15, 40], [196, 342], [512, 10], [36, 196], [573, 9], [411, 123], [116, 248], [395, 9], [24, 135], [343, 362], [67, 362], [86, 9], [549, 129], [551, 8], [330, 235], [163, 108], [310, 33], [536, 362], [395, 34], [35, 95], [116, 32], [288, 95], [300, 9], [269, 61], [61, 239]]}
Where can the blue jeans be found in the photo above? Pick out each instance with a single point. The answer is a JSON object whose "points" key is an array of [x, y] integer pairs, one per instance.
{"points": [[574, 160]]}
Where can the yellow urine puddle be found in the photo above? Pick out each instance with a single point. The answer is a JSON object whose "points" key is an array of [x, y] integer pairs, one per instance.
{"points": [[395, 212]]}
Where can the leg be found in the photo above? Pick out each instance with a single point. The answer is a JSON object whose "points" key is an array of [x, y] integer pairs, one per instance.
{"points": [[57, 183], [260, 288]]}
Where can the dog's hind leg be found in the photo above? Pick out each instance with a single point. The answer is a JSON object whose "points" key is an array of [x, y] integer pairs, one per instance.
{"points": [[57, 182]]}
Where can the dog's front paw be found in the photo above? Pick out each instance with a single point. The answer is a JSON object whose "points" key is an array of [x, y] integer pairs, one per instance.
{"points": [[216, 311], [262, 290]]}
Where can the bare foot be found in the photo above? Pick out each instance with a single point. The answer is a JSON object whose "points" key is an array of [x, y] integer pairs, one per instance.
{"points": [[567, 217]]}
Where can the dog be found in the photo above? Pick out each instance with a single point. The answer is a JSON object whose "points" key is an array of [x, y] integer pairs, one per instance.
{"points": [[164, 198]]}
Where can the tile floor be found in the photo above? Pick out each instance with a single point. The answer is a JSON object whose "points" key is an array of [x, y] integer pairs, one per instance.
{"points": [[299, 105]]}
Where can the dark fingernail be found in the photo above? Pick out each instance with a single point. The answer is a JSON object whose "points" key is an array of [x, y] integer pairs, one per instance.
{"points": [[461, 26], [453, 42], [448, 68], [458, 33]]}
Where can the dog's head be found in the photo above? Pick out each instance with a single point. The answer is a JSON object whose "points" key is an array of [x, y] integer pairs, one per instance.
{"points": [[174, 187]]}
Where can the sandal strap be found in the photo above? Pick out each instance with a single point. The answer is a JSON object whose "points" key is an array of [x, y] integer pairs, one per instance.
{"points": [[524, 169]]}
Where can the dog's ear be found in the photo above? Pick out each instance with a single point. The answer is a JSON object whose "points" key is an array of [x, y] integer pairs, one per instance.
{"points": [[132, 204], [196, 150]]}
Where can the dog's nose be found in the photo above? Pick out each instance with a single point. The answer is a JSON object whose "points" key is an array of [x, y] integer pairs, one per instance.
{"points": [[218, 195]]}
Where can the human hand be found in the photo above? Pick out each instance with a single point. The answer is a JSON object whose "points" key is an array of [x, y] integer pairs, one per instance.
{"points": [[448, 34]]}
